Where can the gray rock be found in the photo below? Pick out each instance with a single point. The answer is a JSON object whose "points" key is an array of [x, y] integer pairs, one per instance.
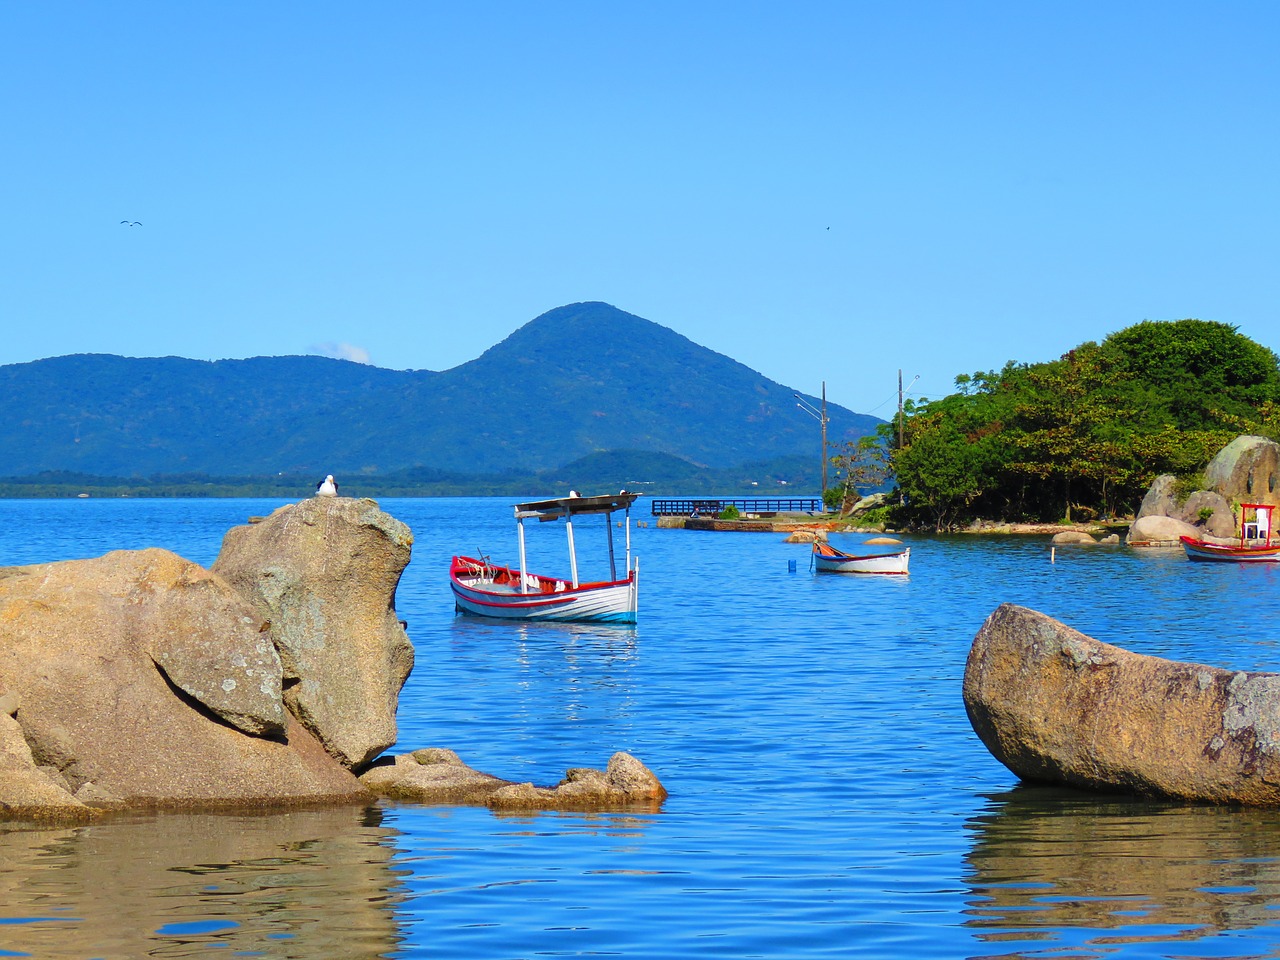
{"points": [[1057, 706], [324, 573], [1073, 536], [1161, 499], [1246, 470], [1219, 522], [1159, 529]]}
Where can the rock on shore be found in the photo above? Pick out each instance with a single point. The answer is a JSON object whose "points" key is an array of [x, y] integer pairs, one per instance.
{"points": [[439, 776], [323, 573], [1057, 706], [142, 680]]}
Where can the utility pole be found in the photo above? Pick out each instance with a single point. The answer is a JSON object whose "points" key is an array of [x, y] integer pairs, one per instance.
{"points": [[821, 417], [899, 408], [824, 436]]}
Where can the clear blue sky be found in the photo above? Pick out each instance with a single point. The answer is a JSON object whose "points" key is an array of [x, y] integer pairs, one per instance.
{"points": [[821, 190]]}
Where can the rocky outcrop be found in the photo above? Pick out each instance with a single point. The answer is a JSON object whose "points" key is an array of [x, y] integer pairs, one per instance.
{"points": [[139, 679], [142, 679], [323, 573], [439, 776], [1057, 706], [1246, 470]]}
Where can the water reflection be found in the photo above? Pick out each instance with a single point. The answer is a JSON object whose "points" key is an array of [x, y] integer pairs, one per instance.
{"points": [[604, 642], [307, 883], [1046, 862]]}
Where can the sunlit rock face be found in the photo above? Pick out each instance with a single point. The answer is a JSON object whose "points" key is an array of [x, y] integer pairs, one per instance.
{"points": [[1056, 706], [323, 573], [139, 678]]}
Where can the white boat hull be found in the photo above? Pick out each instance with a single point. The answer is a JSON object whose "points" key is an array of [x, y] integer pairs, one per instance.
{"points": [[835, 561], [495, 592]]}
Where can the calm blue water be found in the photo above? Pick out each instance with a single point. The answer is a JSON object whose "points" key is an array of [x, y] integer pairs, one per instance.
{"points": [[828, 796]]}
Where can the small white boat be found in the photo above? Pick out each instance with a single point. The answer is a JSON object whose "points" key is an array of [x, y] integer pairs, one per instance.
{"points": [[827, 559], [513, 593]]}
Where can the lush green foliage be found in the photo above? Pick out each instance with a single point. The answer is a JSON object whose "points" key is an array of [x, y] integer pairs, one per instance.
{"points": [[1083, 436]]}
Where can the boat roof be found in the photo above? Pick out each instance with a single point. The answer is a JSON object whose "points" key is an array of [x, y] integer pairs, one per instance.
{"points": [[566, 506]]}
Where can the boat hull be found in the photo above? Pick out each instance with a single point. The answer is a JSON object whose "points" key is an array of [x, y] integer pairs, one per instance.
{"points": [[484, 590], [827, 559], [1227, 553]]}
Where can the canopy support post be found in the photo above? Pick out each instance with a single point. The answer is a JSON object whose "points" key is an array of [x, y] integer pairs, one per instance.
{"points": [[573, 556], [524, 586]]}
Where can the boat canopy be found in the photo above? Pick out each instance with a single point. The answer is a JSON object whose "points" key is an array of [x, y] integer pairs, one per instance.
{"points": [[571, 506]]}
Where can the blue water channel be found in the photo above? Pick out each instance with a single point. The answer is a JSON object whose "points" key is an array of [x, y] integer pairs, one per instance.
{"points": [[828, 797]]}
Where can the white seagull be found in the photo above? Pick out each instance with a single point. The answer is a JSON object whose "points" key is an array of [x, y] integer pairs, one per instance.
{"points": [[327, 487]]}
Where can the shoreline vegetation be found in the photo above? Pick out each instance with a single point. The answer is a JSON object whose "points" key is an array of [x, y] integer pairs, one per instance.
{"points": [[1080, 438]]}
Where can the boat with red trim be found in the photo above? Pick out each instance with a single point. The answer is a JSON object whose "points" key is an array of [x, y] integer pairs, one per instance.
{"points": [[486, 589], [1253, 546]]}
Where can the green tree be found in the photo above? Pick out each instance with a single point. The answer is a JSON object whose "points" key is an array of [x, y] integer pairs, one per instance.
{"points": [[1202, 372]]}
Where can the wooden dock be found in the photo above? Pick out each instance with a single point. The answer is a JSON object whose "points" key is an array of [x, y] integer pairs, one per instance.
{"points": [[756, 506]]}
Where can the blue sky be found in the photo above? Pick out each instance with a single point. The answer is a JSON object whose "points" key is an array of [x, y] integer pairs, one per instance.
{"points": [[821, 190]]}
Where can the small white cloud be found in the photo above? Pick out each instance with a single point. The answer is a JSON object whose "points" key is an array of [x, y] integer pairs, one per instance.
{"points": [[342, 351]]}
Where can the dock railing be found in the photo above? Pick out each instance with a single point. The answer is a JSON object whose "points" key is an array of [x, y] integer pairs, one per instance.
{"points": [[758, 506]]}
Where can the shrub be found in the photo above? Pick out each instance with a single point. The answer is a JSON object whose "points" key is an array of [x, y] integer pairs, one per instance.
{"points": [[730, 513]]}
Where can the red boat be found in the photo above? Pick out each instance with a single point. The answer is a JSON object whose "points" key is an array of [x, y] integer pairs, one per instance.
{"points": [[1255, 544]]}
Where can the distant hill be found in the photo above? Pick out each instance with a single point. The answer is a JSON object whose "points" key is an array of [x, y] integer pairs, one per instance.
{"points": [[578, 381]]}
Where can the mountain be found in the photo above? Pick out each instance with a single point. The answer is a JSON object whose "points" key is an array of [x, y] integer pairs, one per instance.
{"points": [[578, 380]]}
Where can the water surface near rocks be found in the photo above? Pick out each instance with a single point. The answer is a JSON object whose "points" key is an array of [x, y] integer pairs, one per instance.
{"points": [[828, 796]]}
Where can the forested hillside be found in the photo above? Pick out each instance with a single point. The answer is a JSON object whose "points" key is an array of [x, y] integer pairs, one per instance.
{"points": [[579, 380], [1078, 437]]}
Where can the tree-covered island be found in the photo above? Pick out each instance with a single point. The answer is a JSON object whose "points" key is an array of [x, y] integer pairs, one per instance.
{"points": [[1077, 438]]}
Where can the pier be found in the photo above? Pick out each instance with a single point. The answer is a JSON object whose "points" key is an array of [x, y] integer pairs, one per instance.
{"points": [[757, 506]]}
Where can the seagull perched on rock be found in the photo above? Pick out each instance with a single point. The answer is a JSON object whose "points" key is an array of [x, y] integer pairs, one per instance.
{"points": [[327, 487]]}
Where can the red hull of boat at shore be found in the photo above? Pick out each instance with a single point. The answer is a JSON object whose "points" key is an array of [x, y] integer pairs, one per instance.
{"points": [[1231, 553]]}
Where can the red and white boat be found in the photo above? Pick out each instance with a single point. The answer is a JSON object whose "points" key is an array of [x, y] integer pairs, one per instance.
{"points": [[513, 593], [827, 559], [1255, 544]]}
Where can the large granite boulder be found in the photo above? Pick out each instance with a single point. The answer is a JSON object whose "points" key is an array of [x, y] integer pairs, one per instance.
{"points": [[323, 573], [139, 678], [1246, 470], [1056, 706], [1155, 529]]}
